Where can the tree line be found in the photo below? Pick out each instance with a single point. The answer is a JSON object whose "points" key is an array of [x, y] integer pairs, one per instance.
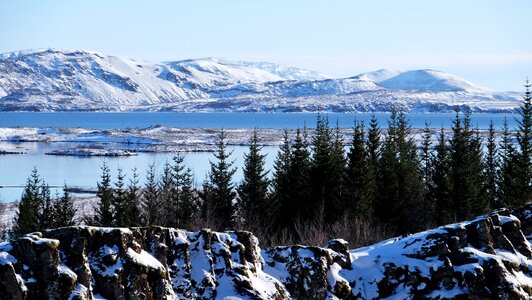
{"points": [[321, 182]]}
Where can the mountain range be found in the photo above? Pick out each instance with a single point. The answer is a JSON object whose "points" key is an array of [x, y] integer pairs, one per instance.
{"points": [[78, 80]]}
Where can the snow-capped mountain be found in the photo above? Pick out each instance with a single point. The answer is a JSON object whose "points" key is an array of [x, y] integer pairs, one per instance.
{"points": [[55, 80]]}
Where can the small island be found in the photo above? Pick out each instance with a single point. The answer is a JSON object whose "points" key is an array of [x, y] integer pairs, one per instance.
{"points": [[89, 152]]}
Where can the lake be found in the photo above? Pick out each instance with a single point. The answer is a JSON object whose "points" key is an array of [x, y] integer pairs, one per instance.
{"points": [[75, 171], [108, 120]]}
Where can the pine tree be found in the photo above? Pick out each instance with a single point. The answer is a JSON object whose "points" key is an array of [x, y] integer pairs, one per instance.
{"points": [[298, 208], [444, 211], [173, 214], [150, 197], [64, 211], [467, 188], [27, 217], [104, 210], [220, 185], [508, 187], [359, 195], [373, 145], [121, 217], [253, 191], [491, 167], [188, 201], [426, 159], [133, 205], [46, 211], [401, 185], [524, 154], [279, 197], [167, 186]]}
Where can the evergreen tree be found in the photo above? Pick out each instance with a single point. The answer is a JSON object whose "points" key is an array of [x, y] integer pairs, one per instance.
{"points": [[298, 207], [426, 159], [173, 214], [220, 187], [326, 173], [104, 210], [359, 195], [491, 167], [46, 210], [150, 197], [253, 191], [467, 188], [444, 211], [373, 145], [121, 217], [508, 187], [133, 205], [401, 185], [187, 201], [524, 154], [27, 216], [64, 211], [167, 186], [279, 197]]}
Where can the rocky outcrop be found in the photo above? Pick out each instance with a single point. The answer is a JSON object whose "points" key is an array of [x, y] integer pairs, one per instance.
{"points": [[486, 258]]}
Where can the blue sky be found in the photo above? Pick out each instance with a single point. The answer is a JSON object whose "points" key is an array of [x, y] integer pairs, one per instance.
{"points": [[487, 42]]}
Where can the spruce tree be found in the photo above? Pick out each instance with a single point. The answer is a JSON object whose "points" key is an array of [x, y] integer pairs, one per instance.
{"points": [[46, 211], [444, 211], [64, 211], [491, 167], [373, 145], [27, 216], [187, 201], [173, 213], [121, 217], [467, 188], [220, 186], [279, 197], [358, 192], [150, 199], [133, 202], [253, 190], [401, 186], [508, 190], [426, 159], [104, 210], [524, 154], [298, 208]]}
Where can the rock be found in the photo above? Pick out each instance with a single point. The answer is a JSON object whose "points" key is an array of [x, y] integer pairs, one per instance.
{"points": [[488, 257]]}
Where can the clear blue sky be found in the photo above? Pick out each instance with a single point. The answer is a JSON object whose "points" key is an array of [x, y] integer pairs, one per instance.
{"points": [[488, 42]]}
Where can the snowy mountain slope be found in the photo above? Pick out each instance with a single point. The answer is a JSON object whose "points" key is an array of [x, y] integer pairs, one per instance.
{"points": [[379, 75], [70, 80], [430, 80]]}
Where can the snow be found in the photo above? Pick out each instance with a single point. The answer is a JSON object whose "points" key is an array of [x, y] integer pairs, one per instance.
{"points": [[144, 258], [6, 258], [89, 81]]}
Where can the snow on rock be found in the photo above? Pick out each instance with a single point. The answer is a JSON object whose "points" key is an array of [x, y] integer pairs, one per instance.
{"points": [[78, 80], [485, 258]]}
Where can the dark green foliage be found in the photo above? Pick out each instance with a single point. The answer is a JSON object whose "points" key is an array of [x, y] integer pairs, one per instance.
{"points": [[219, 190], [64, 211], [279, 197], [151, 206], [133, 202], [187, 200], [28, 217], [466, 171], [298, 205], [491, 167], [440, 190], [327, 172], [524, 154], [104, 210], [508, 185], [400, 201], [253, 190], [359, 193], [119, 203], [427, 170]]}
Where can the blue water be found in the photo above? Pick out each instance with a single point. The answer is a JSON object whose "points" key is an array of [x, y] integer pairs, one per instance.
{"points": [[96, 120]]}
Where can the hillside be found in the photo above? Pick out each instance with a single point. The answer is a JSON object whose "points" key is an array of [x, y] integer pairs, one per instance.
{"points": [[77, 80], [485, 258]]}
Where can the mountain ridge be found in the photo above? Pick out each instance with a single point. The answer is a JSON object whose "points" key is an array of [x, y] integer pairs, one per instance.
{"points": [[71, 80]]}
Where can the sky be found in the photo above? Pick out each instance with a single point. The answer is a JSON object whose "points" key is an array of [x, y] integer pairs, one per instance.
{"points": [[487, 42]]}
